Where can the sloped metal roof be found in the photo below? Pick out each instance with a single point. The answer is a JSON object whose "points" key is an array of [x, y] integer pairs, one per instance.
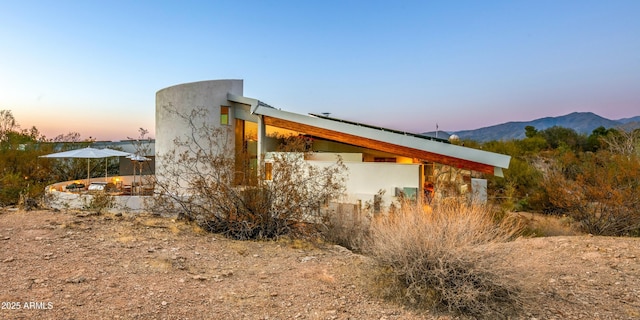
{"points": [[409, 144]]}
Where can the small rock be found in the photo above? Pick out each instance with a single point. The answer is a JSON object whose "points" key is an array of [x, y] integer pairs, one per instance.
{"points": [[200, 277], [118, 214], [307, 259], [342, 249], [10, 259], [77, 280], [164, 303], [4, 238]]}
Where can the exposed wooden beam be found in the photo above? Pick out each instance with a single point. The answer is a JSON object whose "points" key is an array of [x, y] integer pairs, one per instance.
{"points": [[378, 145]]}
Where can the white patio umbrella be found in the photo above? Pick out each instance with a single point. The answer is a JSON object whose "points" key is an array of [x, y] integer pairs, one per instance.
{"points": [[112, 153], [88, 153]]}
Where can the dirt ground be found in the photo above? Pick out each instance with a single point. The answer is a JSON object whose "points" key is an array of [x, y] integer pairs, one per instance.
{"points": [[57, 265]]}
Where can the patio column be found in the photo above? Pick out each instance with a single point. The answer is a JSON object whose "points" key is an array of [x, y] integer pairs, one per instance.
{"points": [[261, 142]]}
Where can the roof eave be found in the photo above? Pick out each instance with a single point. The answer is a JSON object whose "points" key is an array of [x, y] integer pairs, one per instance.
{"points": [[451, 150]]}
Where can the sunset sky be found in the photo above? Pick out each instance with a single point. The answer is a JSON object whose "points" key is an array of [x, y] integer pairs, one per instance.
{"points": [[94, 67]]}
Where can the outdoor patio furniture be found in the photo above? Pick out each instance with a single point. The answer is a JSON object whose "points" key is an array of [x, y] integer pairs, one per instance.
{"points": [[73, 187]]}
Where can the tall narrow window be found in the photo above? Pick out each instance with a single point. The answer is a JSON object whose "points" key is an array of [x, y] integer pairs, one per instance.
{"points": [[268, 171], [224, 115]]}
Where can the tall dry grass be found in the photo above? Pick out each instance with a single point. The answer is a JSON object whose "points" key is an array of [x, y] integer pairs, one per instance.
{"points": [[436, 259]]}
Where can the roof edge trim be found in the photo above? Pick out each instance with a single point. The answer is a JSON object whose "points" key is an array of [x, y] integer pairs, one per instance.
{"points": [[253, 103], [451, 150]]}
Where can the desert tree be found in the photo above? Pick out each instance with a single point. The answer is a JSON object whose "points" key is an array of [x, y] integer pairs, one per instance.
{"points": [[142, 144], [208, 179], [70, 168], [561, 137], [8, 125], [142, 147], [623, 142], [22, 174]]}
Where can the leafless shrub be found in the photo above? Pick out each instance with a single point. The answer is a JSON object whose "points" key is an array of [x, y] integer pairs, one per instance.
{"points": [[347, 225], [434, 259], [213, 183], [623, 142]]}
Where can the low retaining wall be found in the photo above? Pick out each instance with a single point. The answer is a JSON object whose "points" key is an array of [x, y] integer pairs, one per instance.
{"points": [[58, 197]]}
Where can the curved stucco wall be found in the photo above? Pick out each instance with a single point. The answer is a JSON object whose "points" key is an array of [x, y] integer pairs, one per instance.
{"points": [[183, 99]]}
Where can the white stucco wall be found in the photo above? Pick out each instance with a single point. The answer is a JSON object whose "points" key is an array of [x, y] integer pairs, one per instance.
{"points": [[365, 179], [330, 156], [185, 98]]}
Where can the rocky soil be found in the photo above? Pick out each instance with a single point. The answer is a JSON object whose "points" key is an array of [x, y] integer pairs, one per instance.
{"points": [[57, 265]]}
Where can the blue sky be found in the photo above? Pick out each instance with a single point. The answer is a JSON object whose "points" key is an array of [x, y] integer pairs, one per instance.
{"points": [[94, 66]]}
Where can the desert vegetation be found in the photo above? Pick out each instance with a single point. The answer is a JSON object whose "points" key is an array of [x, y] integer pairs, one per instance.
{"points": [[222, 189], [435, 258], [23, 175], [589, 179], [425, 257]]}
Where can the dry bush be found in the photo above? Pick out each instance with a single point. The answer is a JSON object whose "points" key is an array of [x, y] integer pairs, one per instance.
{"points": [[434, 259], [599, 191], [99, 202], [347, 225], [208, 180], [543, 225]]}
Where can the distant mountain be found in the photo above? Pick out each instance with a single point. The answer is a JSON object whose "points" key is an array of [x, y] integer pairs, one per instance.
{"points": [[628, 120], [581, 122]]}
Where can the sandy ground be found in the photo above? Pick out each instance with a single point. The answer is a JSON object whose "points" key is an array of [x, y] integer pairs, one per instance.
{"points": [[57, 265]]}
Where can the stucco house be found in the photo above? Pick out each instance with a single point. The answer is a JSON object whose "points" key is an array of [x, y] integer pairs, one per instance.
{"points": [[377, 158]]}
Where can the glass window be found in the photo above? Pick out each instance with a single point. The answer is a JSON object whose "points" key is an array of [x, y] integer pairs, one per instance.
{"points": [[224, 115]]}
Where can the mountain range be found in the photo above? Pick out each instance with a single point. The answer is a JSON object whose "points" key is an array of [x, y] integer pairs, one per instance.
{"points": [[581, 122]]}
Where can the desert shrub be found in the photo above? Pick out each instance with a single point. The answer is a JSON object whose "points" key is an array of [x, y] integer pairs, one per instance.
{"points": [[209, 180], [27, 203], [544, 225], [99, 202], [346, 225], [434, 259], [599, 191]]}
